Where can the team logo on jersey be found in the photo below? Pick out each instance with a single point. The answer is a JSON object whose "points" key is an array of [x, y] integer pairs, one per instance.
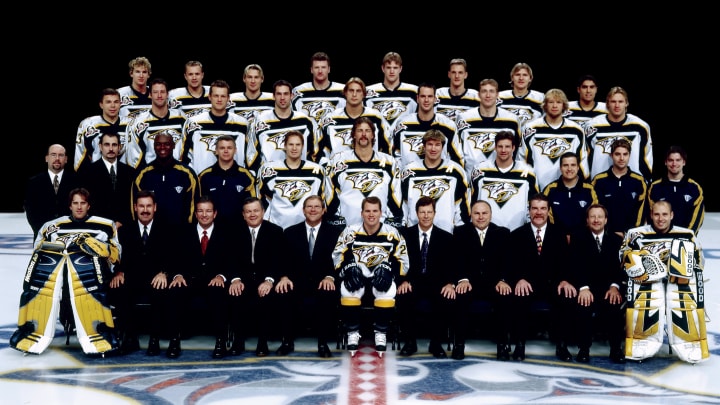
{"points": [[371, 255], [89, 132], [174, 103], [415, 143], [134, 114], [345, 137], [327, 120], [293, 190], [196, 111], [366, 182], [339, 167], [399, 127], [261, 126], [318, 109], [278, 139], [404, 174], [141, 127], [176, 136], [268, 171], [451, 113], [485, 142], [390, 109], [605, 144], [192, 125], [210, 141], [553, 147], [476, 174], [432, 188], [462, 124], [500, 191], [179, 189], [522, 114]]}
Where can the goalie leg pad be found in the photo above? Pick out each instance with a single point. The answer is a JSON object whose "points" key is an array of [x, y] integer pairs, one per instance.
{"points": [[682, 258], [93, 317], [645, 320], [687, 335], [39, 302]]}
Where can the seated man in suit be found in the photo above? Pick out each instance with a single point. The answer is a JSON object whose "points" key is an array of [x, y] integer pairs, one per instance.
{"points": [[541, 273], [148, 270], [483, 252], [260, 258], [426, 295], [307, 290], [600, 279]]}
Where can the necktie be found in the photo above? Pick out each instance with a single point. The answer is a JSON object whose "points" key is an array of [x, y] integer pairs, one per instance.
{"points": [[423, 253], [538, 240], [113, 176], [252, 255], [204, 242], [482, 238], [597, 239], [145, 235], [311, 242], [56, 183]]}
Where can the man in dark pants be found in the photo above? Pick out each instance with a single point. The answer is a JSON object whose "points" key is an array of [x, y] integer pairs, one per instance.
{"points": [[207, 258], [599, 280], [42, 201], [540, 269], [309, 285], [426, 295], [261, 256], [483, 266], [147, 271]]}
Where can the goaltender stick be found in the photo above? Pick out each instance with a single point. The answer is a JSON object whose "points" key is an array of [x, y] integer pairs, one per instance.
{"points": [[665, 290], [75, 253]]}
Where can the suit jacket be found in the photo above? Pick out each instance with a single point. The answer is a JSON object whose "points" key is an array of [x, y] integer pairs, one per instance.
{"points": [[544, 270], [441, 254], [485, 263], [306, 270], [598, 270], [42, 204], [270, 253], [115, 204], [141, 262], [199, 269]]}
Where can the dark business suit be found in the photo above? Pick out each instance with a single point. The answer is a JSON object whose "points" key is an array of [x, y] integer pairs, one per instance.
{"points": [[140, 263], [484, 265], [270, 261], [114, 203], [544, 272], [42, 204], [598, 270], [316, 306], [209, 304], [425, 305]]}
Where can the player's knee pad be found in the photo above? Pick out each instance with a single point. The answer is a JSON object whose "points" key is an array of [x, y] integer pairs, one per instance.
{"points": [[645, 320], [687, 334]]}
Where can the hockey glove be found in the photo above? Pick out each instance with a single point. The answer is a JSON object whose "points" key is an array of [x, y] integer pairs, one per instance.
{"points": [[94, 247], [352, 276], [382, 277]]}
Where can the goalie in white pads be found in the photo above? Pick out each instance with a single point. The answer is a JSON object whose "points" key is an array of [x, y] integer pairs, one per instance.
{"points": [[665, 289], [77, 251]]}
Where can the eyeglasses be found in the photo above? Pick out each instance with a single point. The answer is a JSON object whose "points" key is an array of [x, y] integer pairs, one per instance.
{"points": [[56, 155]]}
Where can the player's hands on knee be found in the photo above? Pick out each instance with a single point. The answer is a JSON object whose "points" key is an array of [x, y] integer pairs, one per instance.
{"points": [[382, 277], [352, 276]]}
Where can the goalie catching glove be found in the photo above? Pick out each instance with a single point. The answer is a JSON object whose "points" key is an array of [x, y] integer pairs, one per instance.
{"points": [[382, 277], [643, 266], [92, 246], [352, 276]]}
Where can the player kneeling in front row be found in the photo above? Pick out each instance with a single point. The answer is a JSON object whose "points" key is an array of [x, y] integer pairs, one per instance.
{"points": [[665, 290], [369, 255], [75, 253]]}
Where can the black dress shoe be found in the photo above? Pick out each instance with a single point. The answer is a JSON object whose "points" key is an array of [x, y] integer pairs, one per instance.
{"points": [[437, 351], [458, 352], [617, 356], [173, 351], [324, 350], [129, 345], [409, 348], [262, 349], [562, 353], [153, 347], [285, 348], [519, 353], [220, 350], [237, 348], [503, 352], [583, 356]]}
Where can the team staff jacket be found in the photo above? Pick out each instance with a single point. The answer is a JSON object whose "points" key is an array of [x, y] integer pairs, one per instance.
{"points": [[176, 188], [568, 206], [686, 198], [624, 198], [228, 189]]}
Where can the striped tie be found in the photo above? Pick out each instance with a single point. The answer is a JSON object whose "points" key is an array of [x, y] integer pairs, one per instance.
{"points": [[538, 240]]}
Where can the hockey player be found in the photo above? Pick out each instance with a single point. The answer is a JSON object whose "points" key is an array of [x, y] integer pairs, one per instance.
{"points": [[321, 96], [73, 261], [521, 100], [369, 255], [665, 289], [392, 97], [135, 97]]}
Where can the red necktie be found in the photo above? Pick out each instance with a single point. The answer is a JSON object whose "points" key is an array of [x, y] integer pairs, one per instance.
{"points": [[204, 242], [538, 240]]}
